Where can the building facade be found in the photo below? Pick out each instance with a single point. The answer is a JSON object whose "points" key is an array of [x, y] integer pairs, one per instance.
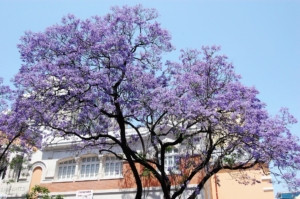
{"points": [[68, 172]]}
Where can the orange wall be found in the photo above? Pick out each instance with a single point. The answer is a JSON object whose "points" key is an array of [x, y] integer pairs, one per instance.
{"points": [[230, 189], [36, 177]]}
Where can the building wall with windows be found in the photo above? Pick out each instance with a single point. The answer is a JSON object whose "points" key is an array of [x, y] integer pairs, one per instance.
{"points": [[65, 171]]}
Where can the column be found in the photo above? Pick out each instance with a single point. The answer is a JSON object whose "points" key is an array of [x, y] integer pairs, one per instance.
{"points": [[100, 172], [76, 174]]}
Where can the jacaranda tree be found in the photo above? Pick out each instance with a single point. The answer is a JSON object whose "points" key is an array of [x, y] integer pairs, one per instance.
{"points": [[90, 79], [4, 95], [15, 132]]}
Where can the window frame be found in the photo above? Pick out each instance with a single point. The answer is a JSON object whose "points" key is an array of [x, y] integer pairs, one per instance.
{"points": [[64, 166], [88, 161], [171, 155], [109, 164], [17, 168]]}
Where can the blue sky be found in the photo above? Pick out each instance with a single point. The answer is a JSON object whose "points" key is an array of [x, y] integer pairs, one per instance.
{"points": [[261, 38]]}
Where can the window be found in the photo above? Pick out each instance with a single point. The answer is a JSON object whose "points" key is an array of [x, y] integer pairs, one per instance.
{"points": [[16, 165], [89, 167], [113, 167], [2, 172], [66, 170], [3, 167], [171, 160]]}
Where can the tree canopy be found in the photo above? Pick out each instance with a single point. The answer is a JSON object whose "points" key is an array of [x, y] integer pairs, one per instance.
{"points": [[91, 78], [15, 132]]}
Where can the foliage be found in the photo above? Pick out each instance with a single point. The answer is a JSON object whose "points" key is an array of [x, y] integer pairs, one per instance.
{"points": [[15, 133], [89, 79], [20, 165], [38, 190]]}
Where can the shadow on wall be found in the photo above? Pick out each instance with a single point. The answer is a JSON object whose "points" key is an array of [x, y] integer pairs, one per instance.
{"points": [[151, 186]]}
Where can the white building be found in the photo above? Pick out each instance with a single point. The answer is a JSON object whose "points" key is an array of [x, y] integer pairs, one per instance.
{"points": [[70, 172]]}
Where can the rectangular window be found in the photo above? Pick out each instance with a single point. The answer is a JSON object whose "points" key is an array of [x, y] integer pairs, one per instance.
{"points": [[17, 166], [89, 167], [113, 167], [117, 168], [66, 170], [69, 171], [92, 170], [82, 171], [3, 173], [60, 173], [73, 170], [96, 170], [87, 171], [106, 169], [171, 160]]}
